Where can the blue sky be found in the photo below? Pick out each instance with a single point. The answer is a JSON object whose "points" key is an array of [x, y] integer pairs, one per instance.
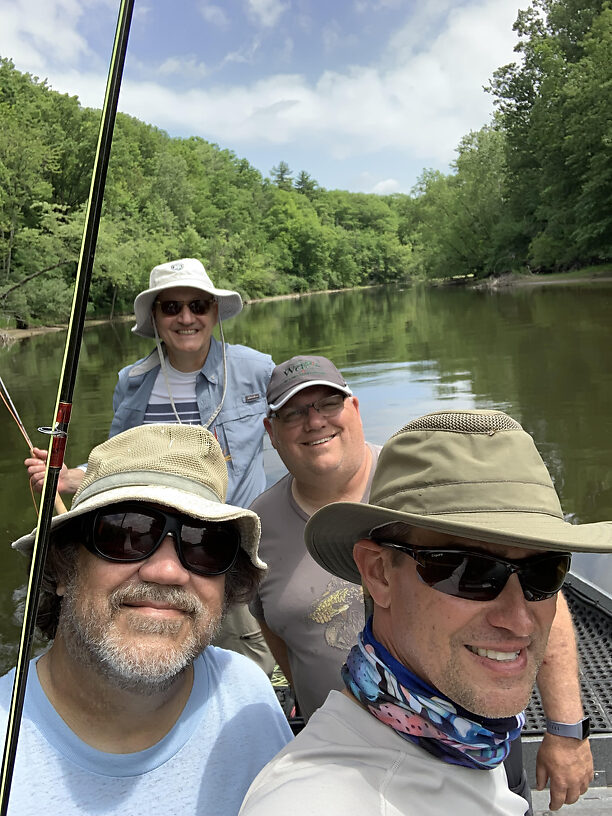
{"points": [[362, 94]]}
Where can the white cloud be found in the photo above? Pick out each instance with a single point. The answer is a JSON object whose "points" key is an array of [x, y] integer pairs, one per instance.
{"points": [[214, 15], [33, 28], [386, 187], [419, 101], [422, 101], [186, 68], [266, 12]]}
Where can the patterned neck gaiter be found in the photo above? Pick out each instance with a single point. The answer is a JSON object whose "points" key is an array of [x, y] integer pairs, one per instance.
{"points": [[420, 713]]}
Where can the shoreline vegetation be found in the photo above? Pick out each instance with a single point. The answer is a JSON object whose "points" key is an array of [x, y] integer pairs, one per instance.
{"points": [[510, 280], [527, 196]]}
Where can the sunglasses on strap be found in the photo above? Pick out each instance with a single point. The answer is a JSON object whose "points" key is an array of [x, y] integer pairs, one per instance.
{"points": [[131, 531], [478, 576]]}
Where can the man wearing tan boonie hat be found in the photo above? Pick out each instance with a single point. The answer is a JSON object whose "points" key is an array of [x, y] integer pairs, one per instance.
{"points": [[463, 549], [131, 710]]}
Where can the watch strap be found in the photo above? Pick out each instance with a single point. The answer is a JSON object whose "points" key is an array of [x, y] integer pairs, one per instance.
{"points": [[579, 730]]}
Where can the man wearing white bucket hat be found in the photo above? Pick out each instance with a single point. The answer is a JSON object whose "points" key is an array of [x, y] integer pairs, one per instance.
{"points": [[192, 378], [131, 710], [463, 548]]}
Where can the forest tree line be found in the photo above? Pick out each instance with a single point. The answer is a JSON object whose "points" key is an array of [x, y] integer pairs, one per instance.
{"points": [[530, 191]]}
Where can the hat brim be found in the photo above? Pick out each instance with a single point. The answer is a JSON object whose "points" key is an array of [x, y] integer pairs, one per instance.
{"points": [[229, 303], [332, 531], [344, 389], [179, 500]]}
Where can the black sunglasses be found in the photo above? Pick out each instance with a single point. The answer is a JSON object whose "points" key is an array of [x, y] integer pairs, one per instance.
{"points": [[198, 306], [477, 576], [131, 531]]}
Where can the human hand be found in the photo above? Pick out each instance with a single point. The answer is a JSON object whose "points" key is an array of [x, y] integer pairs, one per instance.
{"points": [[568, 764], [36, 464], [69, 478]]}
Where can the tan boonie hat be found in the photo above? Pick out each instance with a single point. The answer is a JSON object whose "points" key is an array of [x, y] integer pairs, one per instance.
{"points": [[178, 466], [187, 272], [475, 474]]}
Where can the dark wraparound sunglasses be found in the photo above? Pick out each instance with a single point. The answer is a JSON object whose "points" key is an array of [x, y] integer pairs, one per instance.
{"points": [[477, 576], [198, 306], [130, 532]]}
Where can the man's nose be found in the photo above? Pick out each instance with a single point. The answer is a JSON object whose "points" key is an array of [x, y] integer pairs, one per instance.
{"points": [[164, 566], [511, 611], [313, 418]]}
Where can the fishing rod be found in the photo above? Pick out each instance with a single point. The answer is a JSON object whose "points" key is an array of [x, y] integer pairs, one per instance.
{"points": [[63, 407], [60, 507]]}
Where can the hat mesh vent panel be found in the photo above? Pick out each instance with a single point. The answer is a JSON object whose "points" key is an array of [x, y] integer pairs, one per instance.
{"points": [[485, 422]]}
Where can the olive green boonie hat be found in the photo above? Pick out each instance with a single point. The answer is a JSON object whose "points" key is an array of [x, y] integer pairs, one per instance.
{"points": [[474, 474], [178, 466]]}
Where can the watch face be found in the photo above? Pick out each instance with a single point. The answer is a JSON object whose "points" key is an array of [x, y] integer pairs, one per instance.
{"points": [[586, 727]]}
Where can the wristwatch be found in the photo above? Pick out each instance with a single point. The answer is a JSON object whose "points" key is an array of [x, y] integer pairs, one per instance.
{"points": [[579, 730]]}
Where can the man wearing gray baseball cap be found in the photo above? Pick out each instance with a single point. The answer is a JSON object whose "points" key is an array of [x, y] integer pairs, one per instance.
{"points": [[463, 549], [132, 710]]}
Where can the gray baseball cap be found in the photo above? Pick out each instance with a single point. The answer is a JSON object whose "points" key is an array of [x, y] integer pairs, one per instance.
{"points": [[292, 376]]}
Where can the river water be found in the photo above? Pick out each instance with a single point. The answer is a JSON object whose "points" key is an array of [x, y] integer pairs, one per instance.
{"points": [[540, 353]]}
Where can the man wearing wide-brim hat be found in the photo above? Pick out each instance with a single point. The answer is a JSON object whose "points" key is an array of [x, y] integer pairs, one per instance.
{"points": [[463, 548], [190, 377], [131, 710]]}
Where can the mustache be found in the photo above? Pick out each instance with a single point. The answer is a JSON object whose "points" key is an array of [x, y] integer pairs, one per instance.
{"points": [[174, 596]]}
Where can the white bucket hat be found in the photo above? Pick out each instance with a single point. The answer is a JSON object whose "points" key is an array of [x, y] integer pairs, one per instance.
{"points": [[185, 272], [178, 466]]}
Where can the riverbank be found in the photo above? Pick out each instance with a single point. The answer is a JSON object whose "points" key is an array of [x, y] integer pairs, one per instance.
{"points": [[589, 274], [579, 276]]}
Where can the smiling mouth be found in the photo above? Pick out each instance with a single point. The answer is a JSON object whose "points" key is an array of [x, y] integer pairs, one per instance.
{"points": [[186, 331], [492, 654], [320, 441]]}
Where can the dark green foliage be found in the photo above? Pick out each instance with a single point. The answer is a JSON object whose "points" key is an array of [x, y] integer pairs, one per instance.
{"points": [[533, 190], [165, 198]]}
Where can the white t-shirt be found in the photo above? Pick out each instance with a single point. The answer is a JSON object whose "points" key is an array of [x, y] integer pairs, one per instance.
{"points": [[347, 763], [183, 389]]}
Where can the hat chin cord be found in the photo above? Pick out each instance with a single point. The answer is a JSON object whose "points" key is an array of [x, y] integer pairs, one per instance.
{"points": [[162, 362]]}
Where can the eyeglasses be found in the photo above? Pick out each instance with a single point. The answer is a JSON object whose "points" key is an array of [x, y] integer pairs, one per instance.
{"points": [[477, 576], [131, 531], [199, 306], [327, 407]]}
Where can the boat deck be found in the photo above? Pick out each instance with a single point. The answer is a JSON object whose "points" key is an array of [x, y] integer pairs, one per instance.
{"points": [[592, 614]]}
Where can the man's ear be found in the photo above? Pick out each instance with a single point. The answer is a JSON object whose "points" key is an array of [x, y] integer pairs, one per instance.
{"points": [[374, 563], [268, 426]]}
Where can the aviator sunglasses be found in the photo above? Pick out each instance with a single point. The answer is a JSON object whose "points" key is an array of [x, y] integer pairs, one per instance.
{"points": [[130, 531], [198, 306], [477, 576]]}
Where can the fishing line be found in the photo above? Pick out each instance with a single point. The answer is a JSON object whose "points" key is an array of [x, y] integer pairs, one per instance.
{"points": [[6, 399], [63, 407]]}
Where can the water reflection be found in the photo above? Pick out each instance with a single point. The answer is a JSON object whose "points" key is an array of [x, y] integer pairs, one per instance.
{"points": [[541, 354]]}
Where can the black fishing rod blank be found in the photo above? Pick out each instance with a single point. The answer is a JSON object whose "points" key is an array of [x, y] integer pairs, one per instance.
{"points": [[63, 407]]}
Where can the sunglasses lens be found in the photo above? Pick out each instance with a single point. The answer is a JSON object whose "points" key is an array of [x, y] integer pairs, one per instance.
{"points": [[170, 307], [127, 536], [462, 575], [543, 577], [209, 548], [199, 307]]}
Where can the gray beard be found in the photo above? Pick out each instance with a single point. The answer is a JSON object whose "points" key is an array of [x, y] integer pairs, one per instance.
{"points": [[97, 644]]}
